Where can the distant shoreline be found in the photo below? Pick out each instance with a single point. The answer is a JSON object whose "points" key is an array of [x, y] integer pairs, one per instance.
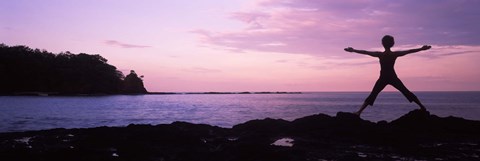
{"points": [[44, 94], [166, 93]]}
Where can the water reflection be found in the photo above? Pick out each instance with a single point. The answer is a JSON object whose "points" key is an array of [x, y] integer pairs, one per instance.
{"points": [[34, 113]]}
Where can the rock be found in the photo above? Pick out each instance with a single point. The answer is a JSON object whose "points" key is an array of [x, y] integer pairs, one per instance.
{"points": [[132, 84], [267, 126], [417, 135], [413, 118], [348, 116], [423, 121]]}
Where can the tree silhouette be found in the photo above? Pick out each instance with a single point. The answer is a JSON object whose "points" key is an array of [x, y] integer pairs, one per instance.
{"points": [[133, 83], [23, 69]]}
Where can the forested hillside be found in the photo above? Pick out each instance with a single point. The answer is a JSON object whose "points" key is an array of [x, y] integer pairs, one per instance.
{"points": [[24, 70]]}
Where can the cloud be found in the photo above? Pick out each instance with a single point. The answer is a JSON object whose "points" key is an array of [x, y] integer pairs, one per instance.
{"points": [[202, 70], [7, 28], [324, 28], [274, 44], [282, 61], [428, 78], [124, 45], [355, 63], [460, 52], [449, 50]]}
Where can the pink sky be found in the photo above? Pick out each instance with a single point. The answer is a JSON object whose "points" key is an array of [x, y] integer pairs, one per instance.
{"points": [[258, 45]]}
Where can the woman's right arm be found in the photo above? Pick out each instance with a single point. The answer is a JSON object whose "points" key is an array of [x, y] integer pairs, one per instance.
{"points": [[371, 53]]}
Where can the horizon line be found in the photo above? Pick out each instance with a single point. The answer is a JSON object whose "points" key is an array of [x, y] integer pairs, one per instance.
{"points": [[306, 91]]}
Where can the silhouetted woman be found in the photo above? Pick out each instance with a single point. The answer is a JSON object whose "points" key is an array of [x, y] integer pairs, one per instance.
{"points": [[387, 72]]}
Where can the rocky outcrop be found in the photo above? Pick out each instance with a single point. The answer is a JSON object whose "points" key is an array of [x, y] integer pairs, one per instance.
{"points": [[133, 84], [417, 135]]}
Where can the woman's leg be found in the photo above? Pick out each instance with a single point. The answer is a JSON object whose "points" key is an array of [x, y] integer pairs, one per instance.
{"points": [[407, 93], [379, 86]]}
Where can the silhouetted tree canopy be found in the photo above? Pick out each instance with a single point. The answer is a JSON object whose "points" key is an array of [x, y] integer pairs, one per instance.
{"points": [[23, 69], [133, 84]]}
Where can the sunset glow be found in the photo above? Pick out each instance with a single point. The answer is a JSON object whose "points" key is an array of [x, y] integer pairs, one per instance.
{"points": [[258, 45]]}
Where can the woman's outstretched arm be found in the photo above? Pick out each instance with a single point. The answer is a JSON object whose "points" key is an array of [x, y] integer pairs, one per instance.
{"points": [[371, 53], [402, 53]]}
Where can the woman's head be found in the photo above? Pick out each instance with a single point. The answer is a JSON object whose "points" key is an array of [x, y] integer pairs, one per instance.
{"points": [[388, 41]]}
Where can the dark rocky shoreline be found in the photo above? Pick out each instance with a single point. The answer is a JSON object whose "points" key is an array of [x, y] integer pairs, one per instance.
{"points": [[417, 135]]}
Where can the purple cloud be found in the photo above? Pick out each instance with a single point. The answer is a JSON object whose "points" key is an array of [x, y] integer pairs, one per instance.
{"points": [[7, 28], [444, 51], [324, 28], [124, 45]]}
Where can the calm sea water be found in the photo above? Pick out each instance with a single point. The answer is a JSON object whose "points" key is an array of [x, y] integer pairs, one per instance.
{"points": [[21, 113]]}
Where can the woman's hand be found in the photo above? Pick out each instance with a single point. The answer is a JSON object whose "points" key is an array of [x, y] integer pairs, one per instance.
{"points": [[426, 47], [349, 49]]}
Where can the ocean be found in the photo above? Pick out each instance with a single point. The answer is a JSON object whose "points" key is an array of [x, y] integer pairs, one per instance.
{"points": [[24, 113]]}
